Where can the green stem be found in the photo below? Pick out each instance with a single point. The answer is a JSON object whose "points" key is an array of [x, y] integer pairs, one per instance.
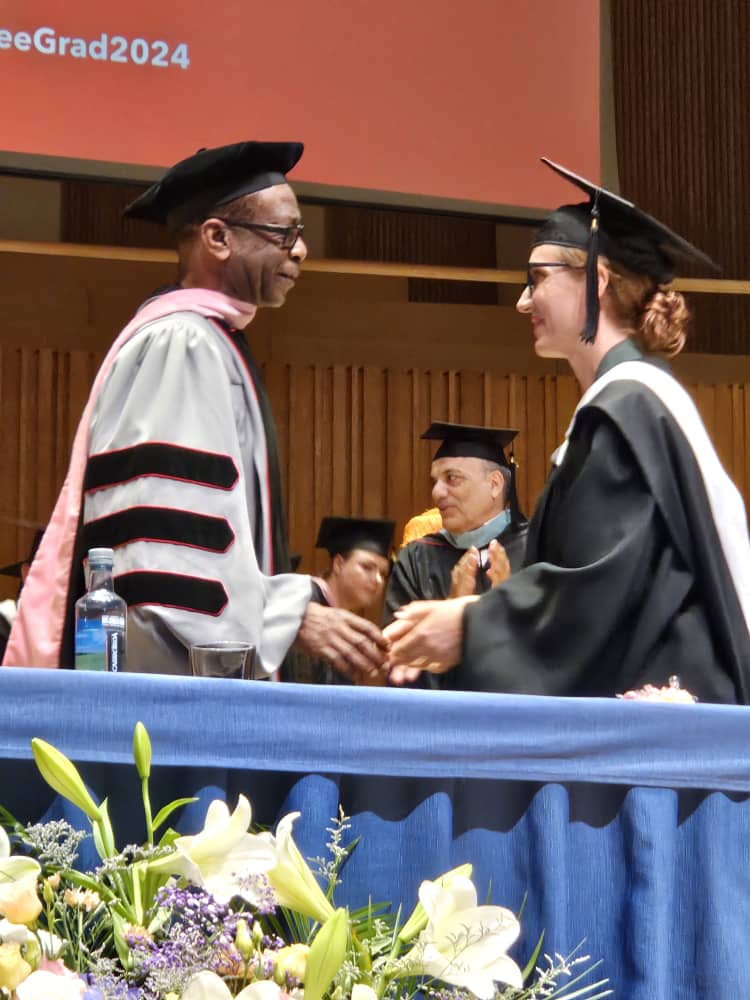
{"points": [[147, 811]]}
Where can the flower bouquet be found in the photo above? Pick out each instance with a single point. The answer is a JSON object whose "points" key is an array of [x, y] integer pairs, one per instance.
{"points": [[231, 913]]}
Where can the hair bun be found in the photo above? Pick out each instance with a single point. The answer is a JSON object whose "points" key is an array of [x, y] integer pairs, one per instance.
{"points": [[664, 321]]}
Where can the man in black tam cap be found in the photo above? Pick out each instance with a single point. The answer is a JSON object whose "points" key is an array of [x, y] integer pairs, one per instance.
{"points": [[175, 463], [483, 535], [359, 548], [638, 560]]}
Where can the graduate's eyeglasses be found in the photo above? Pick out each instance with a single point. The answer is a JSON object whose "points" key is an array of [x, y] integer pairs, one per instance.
{"points": [[286, 236], [532, 279]]}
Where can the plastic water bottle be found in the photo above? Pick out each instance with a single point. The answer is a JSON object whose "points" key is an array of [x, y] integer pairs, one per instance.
{"points": [[101, 618]]}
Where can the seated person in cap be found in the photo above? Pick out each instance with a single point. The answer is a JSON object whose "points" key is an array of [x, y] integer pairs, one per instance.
{"points": [[359, 549], [483, 535], [638, 558], [175, 463], [355, 579]]}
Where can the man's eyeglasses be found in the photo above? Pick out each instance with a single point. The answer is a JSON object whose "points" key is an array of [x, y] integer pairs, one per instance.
{"points": [[286, 236], [532, 278]]}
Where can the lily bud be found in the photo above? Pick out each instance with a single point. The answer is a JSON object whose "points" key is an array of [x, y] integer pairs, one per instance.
{"points": [[326, 956], [243, 942], [32, 951], [62, 775], [142, 751]]}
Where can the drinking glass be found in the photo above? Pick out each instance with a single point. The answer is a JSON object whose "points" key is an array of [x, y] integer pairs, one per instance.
{"points": [[237, 660]]}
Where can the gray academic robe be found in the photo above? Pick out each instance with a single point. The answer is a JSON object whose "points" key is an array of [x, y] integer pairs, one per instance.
{"points": [[173, 473]]}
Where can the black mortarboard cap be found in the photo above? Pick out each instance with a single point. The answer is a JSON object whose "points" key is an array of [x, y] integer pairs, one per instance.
{"points": [[342, 534], [190, 190], [468, 441], [488, 443], [14, 569], [617, 229]]}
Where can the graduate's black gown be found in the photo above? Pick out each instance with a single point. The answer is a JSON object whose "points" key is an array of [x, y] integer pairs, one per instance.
{"points": [[626, 582], [422, 571]]}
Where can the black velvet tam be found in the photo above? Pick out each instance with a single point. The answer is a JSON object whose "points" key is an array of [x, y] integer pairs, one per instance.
{"points": [[194, 187]]}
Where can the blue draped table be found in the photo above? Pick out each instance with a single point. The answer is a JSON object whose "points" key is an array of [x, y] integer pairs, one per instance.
{"points": [[623, 824]]}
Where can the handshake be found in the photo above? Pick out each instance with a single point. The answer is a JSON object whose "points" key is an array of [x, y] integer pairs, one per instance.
{"points": [[425, 635]]}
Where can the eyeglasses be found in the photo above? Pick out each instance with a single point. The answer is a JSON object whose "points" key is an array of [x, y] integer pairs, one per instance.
{"points": [[531, 280], [287, 236]]}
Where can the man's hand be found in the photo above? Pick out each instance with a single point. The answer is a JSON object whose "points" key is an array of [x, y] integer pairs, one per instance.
{"points": [[352, 645], [498, 570], [464, 574], [426, 635]]}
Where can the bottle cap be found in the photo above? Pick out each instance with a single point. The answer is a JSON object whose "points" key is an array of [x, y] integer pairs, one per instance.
{"points": [[101, 556]]}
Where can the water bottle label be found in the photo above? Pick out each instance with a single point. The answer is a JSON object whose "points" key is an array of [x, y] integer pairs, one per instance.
{"points": [[91, 646], [115, 649]]}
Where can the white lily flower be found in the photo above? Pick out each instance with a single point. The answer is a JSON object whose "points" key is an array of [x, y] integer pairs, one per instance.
{"points": [[264, 989], [464, 944], [15, 933], [361, 991], [291, 879], [223, 857], [208, 986], [19, 900], [42, 985], [51, 945]]}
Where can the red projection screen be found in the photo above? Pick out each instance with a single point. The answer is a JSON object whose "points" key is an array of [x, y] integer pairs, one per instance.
{"points": [[413, 102]]}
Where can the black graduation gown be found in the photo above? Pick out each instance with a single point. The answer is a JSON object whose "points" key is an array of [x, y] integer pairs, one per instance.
{"points": [[422, 571], [301, 668], [626, 582]]}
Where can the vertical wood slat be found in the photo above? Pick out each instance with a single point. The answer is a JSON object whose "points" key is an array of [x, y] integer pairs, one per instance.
{"points": [[374, 443], [42, 394], [340, 438], [681, 81], [301, 446], [348, 437]]}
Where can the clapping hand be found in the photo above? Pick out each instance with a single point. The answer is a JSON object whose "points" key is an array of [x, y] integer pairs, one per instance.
{"points": [[498, 569], [464, 574]]}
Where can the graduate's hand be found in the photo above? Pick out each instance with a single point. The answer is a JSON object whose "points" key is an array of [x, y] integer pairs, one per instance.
{"points": [[464, 574], [498, 570], [426, 635], [351, 644]]}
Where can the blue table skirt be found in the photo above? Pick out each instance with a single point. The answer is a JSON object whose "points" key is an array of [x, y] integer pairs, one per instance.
{"points": [[624, 824]]}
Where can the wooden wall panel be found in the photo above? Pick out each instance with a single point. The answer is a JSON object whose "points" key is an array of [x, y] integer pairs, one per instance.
{"points": [[349, 437], [413, 237], [681, 80], [42, 394]]}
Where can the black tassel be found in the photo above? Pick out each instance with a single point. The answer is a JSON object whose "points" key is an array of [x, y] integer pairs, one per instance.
{"points": [[516, 515], [592, 278]]}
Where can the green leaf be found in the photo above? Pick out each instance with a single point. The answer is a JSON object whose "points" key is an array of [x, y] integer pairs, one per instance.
{"points": [[123, 951], [166, 811], [531, 964], [103, 833]]}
